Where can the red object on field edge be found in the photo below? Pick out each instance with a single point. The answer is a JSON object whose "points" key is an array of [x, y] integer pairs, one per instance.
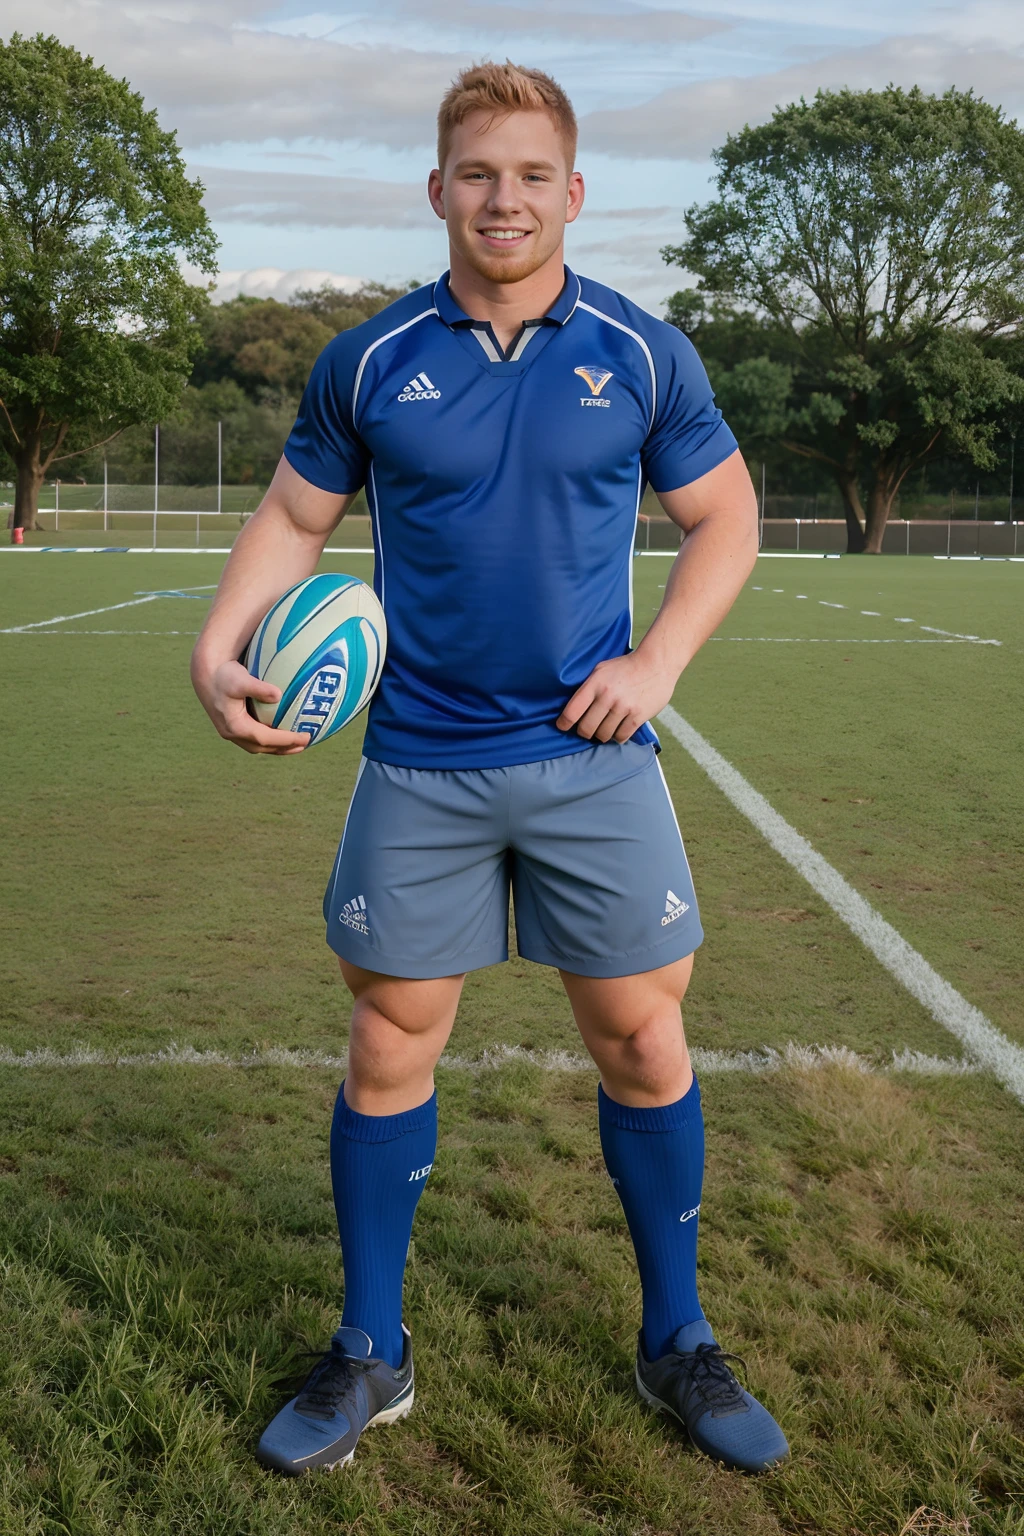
{"points": [[17, 535]]}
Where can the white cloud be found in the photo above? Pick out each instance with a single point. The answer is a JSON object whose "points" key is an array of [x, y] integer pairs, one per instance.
{"points": [[216, 81], [635, 25], [686, 122], [274, 282], [316, 202]]}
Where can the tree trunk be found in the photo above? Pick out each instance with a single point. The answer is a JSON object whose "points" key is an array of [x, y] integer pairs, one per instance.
{"points": [[880, 499], [852, 510], [29, 466]]}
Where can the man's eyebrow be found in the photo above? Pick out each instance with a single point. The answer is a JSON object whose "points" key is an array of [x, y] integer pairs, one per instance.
{"points": [[474, 164]]}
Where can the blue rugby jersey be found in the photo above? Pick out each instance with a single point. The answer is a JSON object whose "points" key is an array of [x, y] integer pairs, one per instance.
{"points": [[503, 487]]}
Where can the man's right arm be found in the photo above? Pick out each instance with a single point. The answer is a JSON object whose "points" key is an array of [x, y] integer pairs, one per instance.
{"points": [[279, 546]]}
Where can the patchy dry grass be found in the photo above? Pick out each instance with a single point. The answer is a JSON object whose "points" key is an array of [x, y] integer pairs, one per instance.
{"points": [[170, 1250], [166, 1231]]}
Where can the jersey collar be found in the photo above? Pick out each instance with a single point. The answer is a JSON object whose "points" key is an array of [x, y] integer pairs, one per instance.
{"points": [[561, 310]]}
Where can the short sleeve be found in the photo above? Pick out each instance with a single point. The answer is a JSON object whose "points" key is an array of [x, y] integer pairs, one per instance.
{"points": [[688, 437], [323, 445]]}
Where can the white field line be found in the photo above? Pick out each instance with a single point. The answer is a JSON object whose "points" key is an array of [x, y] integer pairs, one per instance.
{"points": [[66, 618], [763, 1059], [722, 639], [869, 613], [832, 640], [762, 554], [987, 1045], [58, 632], [147, 549]]}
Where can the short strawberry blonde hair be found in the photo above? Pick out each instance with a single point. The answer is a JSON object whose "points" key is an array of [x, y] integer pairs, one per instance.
{"points": [[502, 89]]}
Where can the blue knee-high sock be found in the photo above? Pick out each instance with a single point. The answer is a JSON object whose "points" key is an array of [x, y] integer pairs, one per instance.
{"points": [[656, 1161], [379, 1165]]}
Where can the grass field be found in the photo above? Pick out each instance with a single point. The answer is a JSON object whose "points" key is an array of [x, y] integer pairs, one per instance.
{"points": [[166, 1230]]}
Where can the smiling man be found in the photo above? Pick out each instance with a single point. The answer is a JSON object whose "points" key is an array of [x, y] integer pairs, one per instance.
{"points": [[505, 421]]}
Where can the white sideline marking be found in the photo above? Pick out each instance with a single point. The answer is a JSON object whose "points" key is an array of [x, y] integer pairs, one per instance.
{"points": [[806, 639], [984, 1042], [65, 618], [762, 554], [147, 549], [870, 613], [762, 1059], [40, 632]]}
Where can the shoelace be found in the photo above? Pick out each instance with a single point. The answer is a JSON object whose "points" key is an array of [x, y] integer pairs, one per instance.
{"points": [[712, 1377], [328, 1382]]}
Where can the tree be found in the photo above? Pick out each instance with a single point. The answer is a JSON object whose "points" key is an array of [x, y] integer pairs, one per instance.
{"points": [[261, 345], [341, 311], [97, 324], [882, 234]]}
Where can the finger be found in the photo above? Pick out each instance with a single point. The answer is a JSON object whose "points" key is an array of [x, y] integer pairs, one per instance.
{"points": [[589, 724], [628, 728], [612, 724], [577, 706], [255, 737], [257, 689], [238, 683]]}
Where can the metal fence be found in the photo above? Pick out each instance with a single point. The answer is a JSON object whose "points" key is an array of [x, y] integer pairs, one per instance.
{"points": [[956, 537]]}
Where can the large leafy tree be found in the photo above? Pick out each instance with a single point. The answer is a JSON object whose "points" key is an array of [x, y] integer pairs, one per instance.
{"points": [[879, 237], [98, 326]]}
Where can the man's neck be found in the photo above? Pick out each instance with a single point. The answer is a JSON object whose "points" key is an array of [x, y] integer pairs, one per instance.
{"points": [[507, 306]]}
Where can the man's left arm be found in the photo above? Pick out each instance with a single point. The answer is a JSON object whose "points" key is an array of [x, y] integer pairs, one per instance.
{"points": [[718, 514]]}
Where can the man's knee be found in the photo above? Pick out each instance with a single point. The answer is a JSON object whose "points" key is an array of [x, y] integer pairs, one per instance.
{"points": [[626, 1008], [414, 1007]]}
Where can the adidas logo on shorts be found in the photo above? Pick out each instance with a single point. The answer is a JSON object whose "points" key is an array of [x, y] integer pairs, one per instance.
{"points": [[419, 388], [673, 908], [353, 915]]}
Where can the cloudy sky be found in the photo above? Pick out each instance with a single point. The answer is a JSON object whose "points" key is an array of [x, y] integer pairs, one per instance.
{"points": [[312, 128]]}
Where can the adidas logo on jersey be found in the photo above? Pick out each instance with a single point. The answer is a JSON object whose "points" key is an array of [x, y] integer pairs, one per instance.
{"points": [[353, 915], [419, 388], [673, 908]]}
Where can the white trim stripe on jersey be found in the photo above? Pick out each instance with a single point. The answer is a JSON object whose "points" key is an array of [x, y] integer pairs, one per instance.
{"points": [[490, 350], [675, 818], [632, 544], [373, 347], [348, 817], [377, 539], [640, 343]]}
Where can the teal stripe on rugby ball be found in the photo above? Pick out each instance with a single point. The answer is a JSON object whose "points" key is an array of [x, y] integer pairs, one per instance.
{"points": [[362, 674], [347, 638], [355, 697], [313, 595]]}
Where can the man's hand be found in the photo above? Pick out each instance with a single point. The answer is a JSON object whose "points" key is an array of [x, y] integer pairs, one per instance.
{"points": [[279, 546], [617, 698], [223, 694]]}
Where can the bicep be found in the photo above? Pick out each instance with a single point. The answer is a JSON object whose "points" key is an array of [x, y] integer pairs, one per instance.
{"points": [[726, 489], [306, 505]]}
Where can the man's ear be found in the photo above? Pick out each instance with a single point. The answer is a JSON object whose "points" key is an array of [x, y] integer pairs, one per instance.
{"points": [[435, 192]]}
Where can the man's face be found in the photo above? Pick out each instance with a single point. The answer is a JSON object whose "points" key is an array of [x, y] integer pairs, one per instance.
{"points": [[506, 194]]}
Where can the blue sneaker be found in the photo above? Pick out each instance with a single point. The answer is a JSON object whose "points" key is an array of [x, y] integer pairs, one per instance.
{"points": [[345, 1392], [694, 1384]]}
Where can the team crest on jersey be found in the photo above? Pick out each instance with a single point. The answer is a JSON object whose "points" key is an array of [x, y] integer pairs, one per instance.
{"points": [[595, 379]]}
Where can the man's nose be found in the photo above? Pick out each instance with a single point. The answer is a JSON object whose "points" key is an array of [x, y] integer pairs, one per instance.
{"points": [[505, 195]]}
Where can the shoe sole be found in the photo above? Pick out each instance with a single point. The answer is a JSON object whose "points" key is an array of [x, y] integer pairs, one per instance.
{"points": [[389, 1415], [660, 1406]]}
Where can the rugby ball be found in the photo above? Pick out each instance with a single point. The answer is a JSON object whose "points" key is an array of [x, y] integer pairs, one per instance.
{"points": [[323, 645]]}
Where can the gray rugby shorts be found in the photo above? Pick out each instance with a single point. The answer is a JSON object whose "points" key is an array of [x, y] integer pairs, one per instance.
{"points": [[588, 844]]}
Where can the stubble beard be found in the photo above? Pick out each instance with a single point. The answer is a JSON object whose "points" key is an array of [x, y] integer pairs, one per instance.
{"points": [[513, 268]]}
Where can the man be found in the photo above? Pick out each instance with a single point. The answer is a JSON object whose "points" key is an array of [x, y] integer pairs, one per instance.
{"points": [[504, 422]]}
